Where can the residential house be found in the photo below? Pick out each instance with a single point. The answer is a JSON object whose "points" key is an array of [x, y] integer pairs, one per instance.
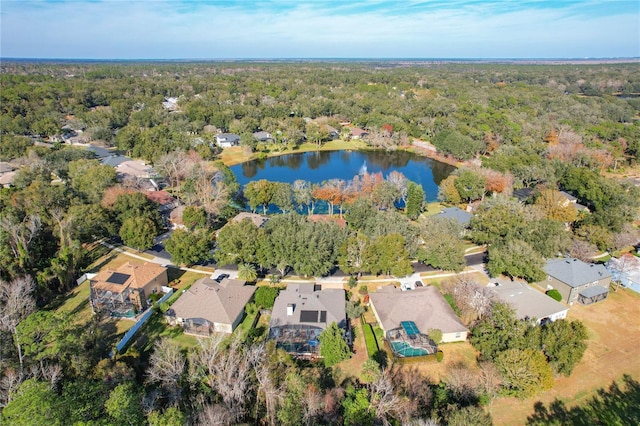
{"points": [[626, 271], [7, 174], [126, 290], [227, 140], [570, 199], [357, 133], [209, 306], [257, 219], [301, 312], [529, 303], [333, 132], [457, 214], [263, 136], [425, 306], [576, 280], [523, 194], [134, 169]]}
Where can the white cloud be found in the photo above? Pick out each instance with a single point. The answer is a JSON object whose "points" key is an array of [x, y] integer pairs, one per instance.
{"points": [[161, 29]]}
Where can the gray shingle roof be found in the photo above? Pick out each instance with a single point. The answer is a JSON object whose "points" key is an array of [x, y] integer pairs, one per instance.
{"points": [[526, 301], [304, 297], [596, 290], [462, 217], [425, 306], [574, 272], [217, 303]]}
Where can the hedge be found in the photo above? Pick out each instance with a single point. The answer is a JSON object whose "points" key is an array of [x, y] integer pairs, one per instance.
{"points": [[370, 339]]}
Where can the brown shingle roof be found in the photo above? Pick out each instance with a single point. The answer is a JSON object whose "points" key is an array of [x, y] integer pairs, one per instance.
{"points": [[128, 275], [425, 306], [217, 303]]}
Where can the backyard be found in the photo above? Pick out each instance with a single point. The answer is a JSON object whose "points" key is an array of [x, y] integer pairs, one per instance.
{"points": [[612, 352]]}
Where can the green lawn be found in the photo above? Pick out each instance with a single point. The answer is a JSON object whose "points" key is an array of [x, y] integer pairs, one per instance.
{"points": [[370, 340]]}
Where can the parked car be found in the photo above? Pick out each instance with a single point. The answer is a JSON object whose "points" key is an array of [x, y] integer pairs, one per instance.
{"points": [[221, 277]]}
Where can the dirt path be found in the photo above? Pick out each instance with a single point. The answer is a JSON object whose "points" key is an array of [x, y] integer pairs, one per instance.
{"points": [[614, 339]]}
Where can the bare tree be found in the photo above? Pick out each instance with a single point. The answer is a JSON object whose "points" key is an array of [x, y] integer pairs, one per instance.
{"points": [[386, 402], [176, 166], [583, 250], [311, 404], [16, 303], [9, 381], [473, 299], [227, 371], [463, 382], [166, 366], [268, 391], [489, 379], [21, 234], [213, 415]]}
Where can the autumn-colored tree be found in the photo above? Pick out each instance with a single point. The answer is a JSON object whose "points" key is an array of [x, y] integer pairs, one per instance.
{"points": [[496, 182], [448, 192], [111, 195], [556, 206]]}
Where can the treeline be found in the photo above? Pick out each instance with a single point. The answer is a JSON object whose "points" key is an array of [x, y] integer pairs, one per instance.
{"points": [[464, 110]]}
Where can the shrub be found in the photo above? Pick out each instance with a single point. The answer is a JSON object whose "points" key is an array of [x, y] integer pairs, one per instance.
{"points": [[363, 289], [439, 356], [370, 339], [353, 282], [554, 294]]}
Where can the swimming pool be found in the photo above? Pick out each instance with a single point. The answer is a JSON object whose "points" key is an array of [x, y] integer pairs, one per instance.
{"points": [[405, 350]]}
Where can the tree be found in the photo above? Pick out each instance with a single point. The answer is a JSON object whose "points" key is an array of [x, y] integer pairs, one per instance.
{"points": [[516, 259], [138, 232], [333, 347], [187, 248], [388, 255], [166, 367], [172, 416], [194, 217], [497, 220], [266, 296], [34, 403], [498, 332], [259, 193], [564, 344], [247, 272], [415, 200], [469, 415], [237, 242], [16, 303], [448, 192], [90, 178], [555, 206], [354, 309], [470, 185], [356, 407], [124, 405], [525, 371], [443, 247]]}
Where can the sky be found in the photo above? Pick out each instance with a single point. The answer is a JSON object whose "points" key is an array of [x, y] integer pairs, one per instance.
{"points": [[280, 29]]}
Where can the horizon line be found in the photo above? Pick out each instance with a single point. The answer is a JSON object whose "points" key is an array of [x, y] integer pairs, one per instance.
{"points": [[363, 59]]}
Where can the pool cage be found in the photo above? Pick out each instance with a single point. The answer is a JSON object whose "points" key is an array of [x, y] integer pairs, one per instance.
{"points": [[297, 339], [407, 341]]}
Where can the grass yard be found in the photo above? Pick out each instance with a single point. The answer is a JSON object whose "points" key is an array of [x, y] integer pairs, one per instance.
{"points": [[612, 351]]}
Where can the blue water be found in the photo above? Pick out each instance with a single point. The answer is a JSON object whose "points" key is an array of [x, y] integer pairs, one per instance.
{"points": [[404, 349], [317, 167]]}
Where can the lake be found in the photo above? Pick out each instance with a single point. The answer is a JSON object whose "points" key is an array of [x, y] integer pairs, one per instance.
{"points": [[320, 166]]}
